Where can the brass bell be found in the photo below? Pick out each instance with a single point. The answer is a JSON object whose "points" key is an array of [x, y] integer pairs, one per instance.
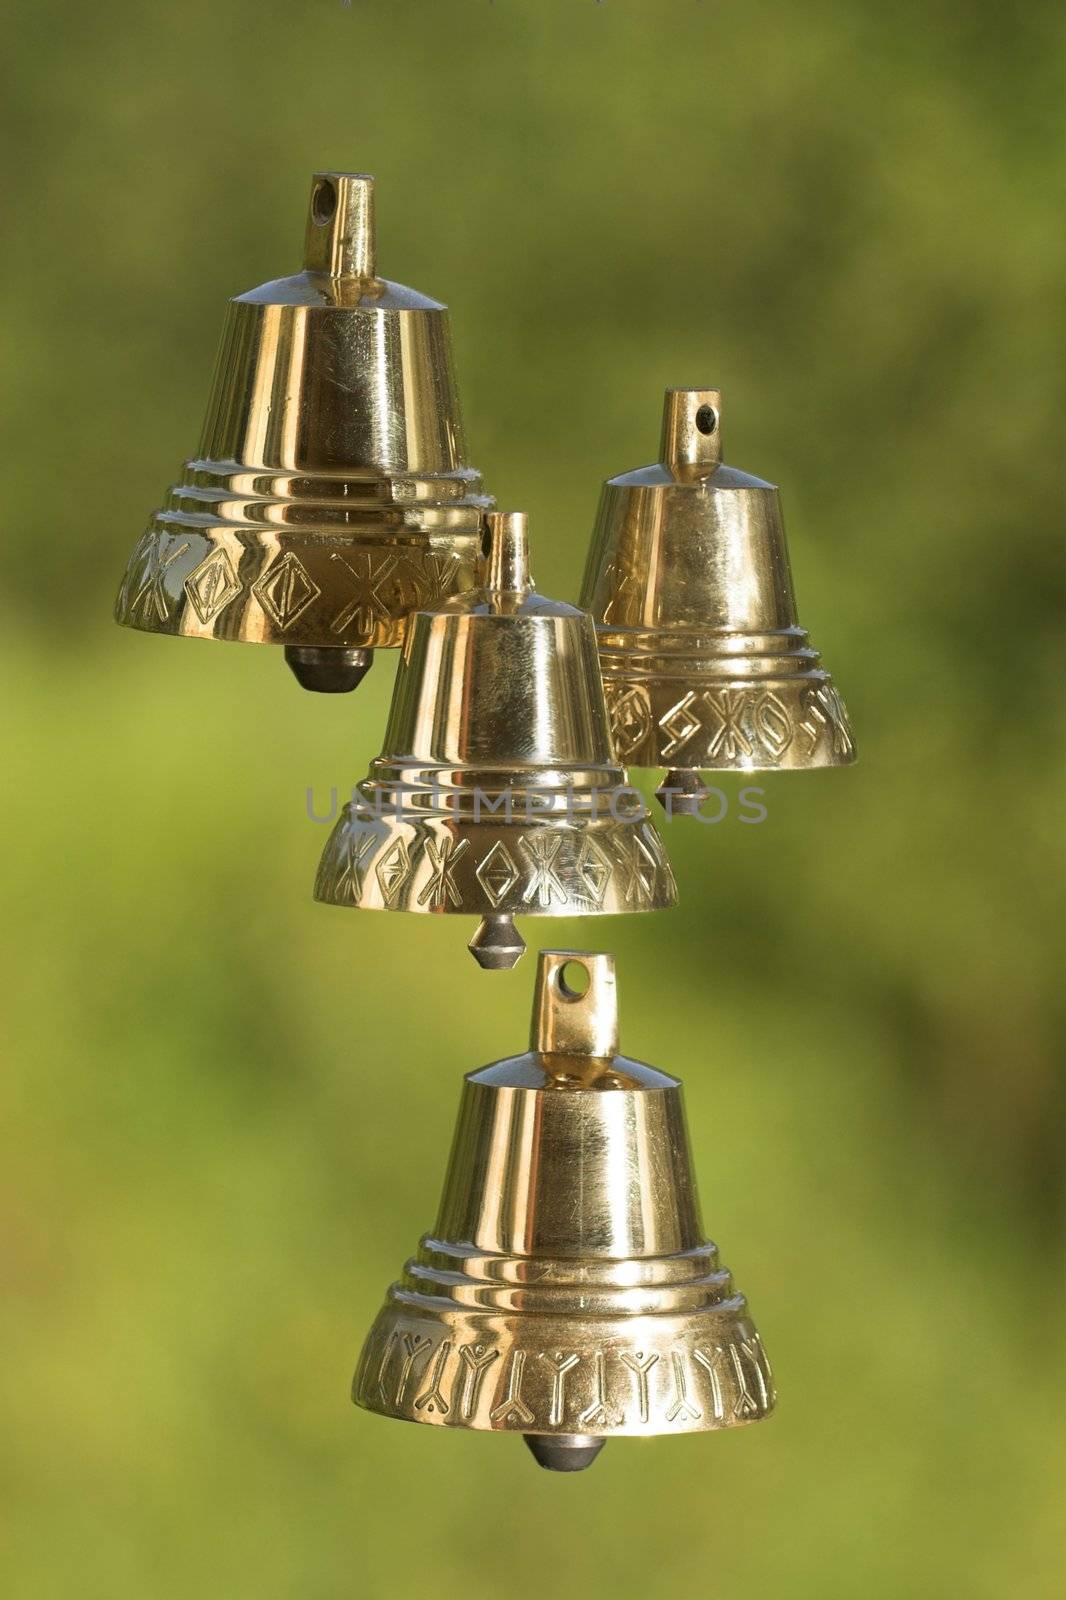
{"points": [[497, 791], [568, 1292], [330, 495], [705, 666]]}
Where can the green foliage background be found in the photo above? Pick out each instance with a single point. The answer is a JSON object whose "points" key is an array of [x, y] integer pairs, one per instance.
{"points": [[227, 1110]]}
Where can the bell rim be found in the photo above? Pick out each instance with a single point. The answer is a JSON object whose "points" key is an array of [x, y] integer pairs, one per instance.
{"points": [[719, 721], [449, 866], [608, 1377], [270, 584]]}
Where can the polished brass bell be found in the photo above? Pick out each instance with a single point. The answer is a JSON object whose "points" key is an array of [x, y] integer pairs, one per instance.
{"points": [[497, 792], [330, 495], [705, 666], [568, 1292]]}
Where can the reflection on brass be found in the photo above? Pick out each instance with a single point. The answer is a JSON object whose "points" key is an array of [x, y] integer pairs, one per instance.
{"points": [[568, 1292], [497, 792], [330, 495], [705, 666]]}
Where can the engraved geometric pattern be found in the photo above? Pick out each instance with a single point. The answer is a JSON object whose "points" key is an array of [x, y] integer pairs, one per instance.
{"points": [[264, 584], [551, 870], [561, 1362], [383, 1366], [440, 575], [825, 712], [147, 569], [729, 739], [597, 1414], [497, 872], [640, 1365], [393, 870], [594, 869], [745, 1404], [368, 604], [403, 590], [598, 1388], [772, 723], [630, 714], [680, 724], [349, 881], [432, 1400], [798, 722], [286, 590], [444, 856], [512, 1408], [706, 1359], [541, 850], [638, 865], [843, 739], [475, 1360], [212, 585], [413, 1345], [133, 577]]}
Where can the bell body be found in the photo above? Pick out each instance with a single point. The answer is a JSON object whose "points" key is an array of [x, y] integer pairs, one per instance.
{"points": [[705, 666], [498, 792], [568, 1290], [330, 495]]}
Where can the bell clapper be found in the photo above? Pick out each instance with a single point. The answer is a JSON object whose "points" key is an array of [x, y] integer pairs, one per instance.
{"points": [[682, 790], [328, 670], [564, 1452], [497, 946]]}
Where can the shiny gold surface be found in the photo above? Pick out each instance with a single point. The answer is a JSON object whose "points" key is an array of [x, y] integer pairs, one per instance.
{"points": [[705, 666], [330, 495], [497, 791], [568, 1290]]}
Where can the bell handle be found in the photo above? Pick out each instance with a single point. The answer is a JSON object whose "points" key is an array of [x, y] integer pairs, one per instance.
{"points": [[692, 431], [340, 225], [505, 552], [575, 1005]]}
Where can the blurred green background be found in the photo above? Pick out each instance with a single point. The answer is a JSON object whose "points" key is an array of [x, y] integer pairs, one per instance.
{"points": [[227, 1110]]}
